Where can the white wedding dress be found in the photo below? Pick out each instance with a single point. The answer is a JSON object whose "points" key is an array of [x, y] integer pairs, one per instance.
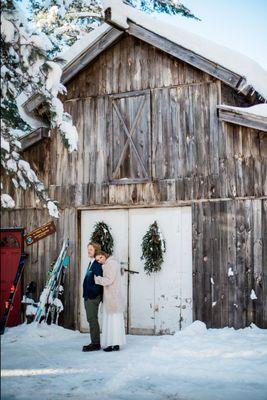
{"points": [[113, 330]]}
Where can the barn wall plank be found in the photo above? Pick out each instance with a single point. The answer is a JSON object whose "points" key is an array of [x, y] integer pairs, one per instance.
{"points": [[229, 246], [263, 282]]}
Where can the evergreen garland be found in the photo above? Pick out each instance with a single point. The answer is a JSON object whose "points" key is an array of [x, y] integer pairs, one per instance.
{"points": [[153, 247], [102, 235]]}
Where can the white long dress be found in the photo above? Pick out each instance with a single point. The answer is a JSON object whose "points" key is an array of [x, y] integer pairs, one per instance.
{"points": [[113, 330]]}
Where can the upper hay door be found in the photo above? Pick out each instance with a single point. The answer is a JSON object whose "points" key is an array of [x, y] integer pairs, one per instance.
{"points": [[130, 137]]}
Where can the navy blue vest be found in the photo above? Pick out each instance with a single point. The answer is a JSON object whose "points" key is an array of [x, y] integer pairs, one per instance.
{"points": [[90, 289]]}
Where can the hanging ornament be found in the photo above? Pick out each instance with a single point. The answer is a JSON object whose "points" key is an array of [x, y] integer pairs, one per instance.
{"points": [[153, 248], [101, 234]]}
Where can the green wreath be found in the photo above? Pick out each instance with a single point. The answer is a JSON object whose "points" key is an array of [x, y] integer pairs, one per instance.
{"points": [[153, 248], [101, 234]]}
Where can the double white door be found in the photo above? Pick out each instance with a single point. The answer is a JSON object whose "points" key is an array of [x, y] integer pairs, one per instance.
{"points": [[161, 302]]}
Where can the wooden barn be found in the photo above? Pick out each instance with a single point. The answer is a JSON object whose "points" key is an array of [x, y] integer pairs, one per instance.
{"points": [[167, 132]]}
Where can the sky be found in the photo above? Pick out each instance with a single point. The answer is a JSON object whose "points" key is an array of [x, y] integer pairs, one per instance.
{"points": [[238, 24]]}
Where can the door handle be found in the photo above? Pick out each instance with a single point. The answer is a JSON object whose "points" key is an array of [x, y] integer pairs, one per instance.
{"points": [[131, 271]]}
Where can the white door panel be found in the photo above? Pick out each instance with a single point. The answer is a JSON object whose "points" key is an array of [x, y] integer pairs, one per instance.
{"points": [[141, 290], [157, 301]]}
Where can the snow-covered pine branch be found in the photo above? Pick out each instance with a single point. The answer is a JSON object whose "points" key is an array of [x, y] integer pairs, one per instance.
{"points": [[85, 14], [65, 21], [27, 68], [172, 7]]}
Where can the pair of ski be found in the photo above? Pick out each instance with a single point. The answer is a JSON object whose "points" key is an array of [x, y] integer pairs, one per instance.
{"points": [[47, 306]]}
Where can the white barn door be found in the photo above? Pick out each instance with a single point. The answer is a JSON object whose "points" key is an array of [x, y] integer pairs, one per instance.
{"points": [[117, 220], [161, 302]]}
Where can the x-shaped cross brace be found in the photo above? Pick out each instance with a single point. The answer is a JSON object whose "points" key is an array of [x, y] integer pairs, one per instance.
{"points": [[129, 134]]}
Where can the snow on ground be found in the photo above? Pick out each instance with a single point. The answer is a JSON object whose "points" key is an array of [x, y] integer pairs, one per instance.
{"points": [[46, 362]]}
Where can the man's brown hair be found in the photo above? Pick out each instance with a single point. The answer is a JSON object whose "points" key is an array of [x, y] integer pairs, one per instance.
{"points": [[95, 245]]}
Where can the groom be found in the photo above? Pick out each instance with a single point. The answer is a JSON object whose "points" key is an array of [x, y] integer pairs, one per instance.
{"points": [[92, 294]]}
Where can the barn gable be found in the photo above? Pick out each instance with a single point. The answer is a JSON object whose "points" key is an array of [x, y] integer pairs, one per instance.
{"points": [[113, 35], [229, 66], [140, 66]]}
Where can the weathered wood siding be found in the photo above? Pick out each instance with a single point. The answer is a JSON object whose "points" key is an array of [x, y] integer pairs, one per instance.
{"points": [[191, 157], [132, 65], [230, 235]]}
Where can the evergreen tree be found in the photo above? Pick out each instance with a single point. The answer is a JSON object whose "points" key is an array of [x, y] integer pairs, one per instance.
{"points": [[27, 68], [66, 21], [172, 7]]}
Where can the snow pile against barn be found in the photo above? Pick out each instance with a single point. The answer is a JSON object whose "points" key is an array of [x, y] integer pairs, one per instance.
{"points": [[195, 364]]}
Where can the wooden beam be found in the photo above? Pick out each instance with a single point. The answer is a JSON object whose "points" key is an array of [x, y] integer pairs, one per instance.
{"points": [[109, 38], [33, 102], [128, 181], [33, 138], [242, 118], [230, 78]]}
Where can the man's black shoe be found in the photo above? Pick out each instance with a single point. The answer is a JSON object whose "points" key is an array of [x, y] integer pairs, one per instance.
{"points": [[92, 347], [116, 348], [109, 348]]}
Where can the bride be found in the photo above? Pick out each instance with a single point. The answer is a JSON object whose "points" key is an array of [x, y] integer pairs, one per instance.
{"points": [[113, 331]]}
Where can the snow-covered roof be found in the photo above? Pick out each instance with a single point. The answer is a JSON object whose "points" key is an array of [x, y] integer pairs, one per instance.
{"points": [[81, 45], [254, 117], [259, 110], [166, 27], [32, 120]]}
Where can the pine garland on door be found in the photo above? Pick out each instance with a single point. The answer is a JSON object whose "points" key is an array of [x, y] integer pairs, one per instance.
{"points": [[153, 248], [102, 235]]}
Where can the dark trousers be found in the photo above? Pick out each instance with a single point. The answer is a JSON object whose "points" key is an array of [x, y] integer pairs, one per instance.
{"points": [[91, 307]]}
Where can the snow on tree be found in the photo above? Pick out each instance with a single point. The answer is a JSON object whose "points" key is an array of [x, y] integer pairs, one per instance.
{"points": [[65, 21], [172, 7], [27, 68]]}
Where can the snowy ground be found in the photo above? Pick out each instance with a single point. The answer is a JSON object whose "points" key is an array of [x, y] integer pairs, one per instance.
{"points": [[42, 362]]}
